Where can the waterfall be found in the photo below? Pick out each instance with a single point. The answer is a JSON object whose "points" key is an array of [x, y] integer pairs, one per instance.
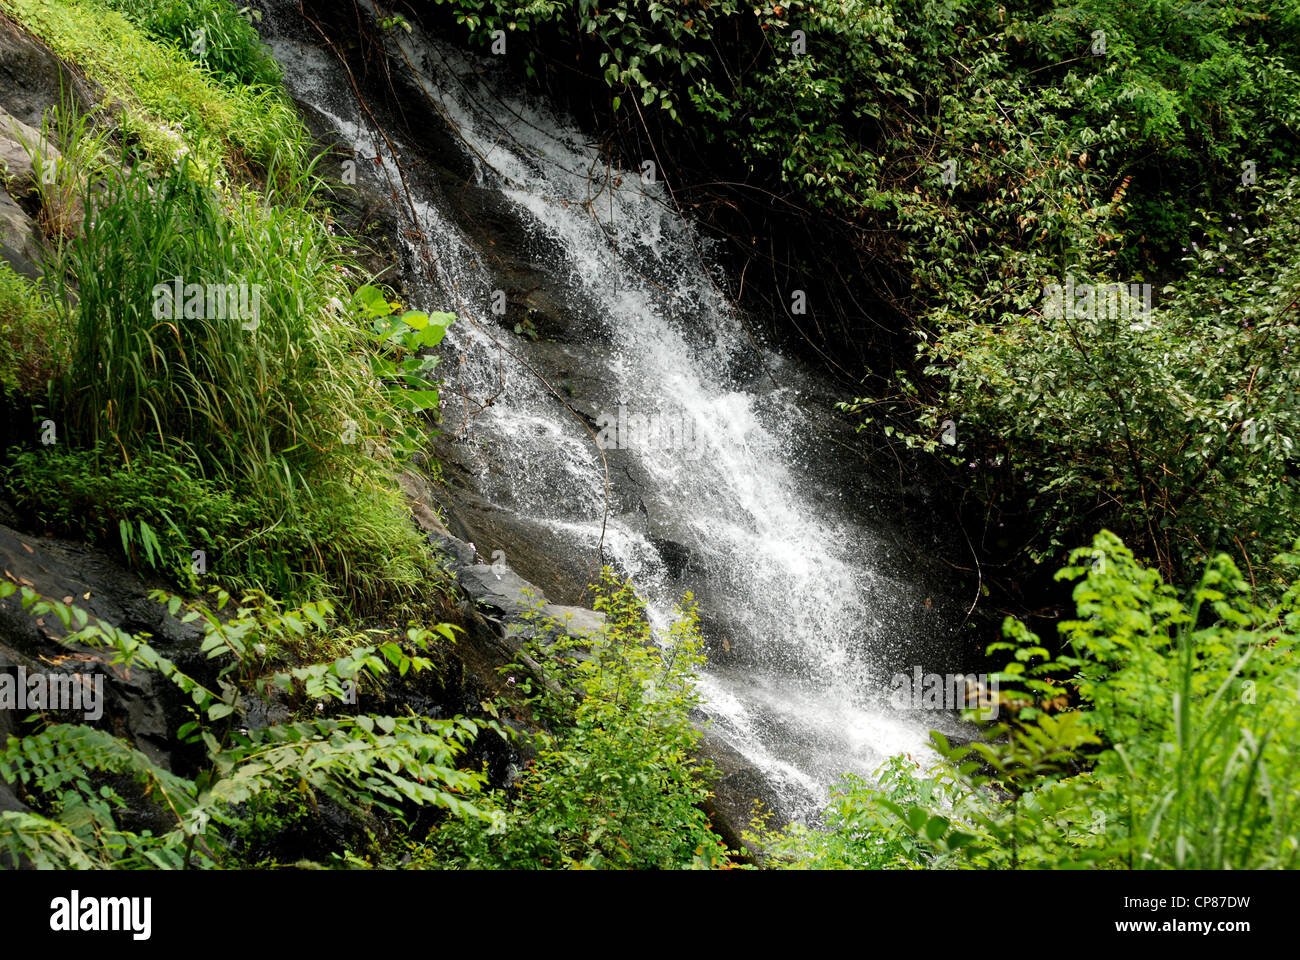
{"points": [[714, 429]]}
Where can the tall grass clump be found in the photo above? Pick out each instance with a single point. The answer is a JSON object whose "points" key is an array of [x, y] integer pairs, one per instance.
{"points": [[33, 344], [256, 379], [256, 392]]}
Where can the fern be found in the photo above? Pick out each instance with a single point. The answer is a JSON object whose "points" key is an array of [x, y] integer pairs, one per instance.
{"points": [[72, 772], [357, 762], [45, 844], [57, 768]]}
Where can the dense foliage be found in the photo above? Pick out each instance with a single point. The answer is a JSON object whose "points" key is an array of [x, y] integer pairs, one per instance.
{"points": [[1180, 427]]}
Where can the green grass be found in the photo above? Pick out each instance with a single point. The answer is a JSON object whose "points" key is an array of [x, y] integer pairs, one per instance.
{"points": [[172, 105], [266, 410], [259, 440], [245, 392], [158, 509], [213, 33]]}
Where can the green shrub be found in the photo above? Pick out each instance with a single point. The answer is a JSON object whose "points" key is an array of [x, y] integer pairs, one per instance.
{"points": [[866, 824], [616, 784], [1181, 430], [33, 340], [211, 32]]}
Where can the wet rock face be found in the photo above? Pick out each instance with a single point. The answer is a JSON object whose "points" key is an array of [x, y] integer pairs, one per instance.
{"points": [[526, 388], [20, 239], [32, 81], [739, 791], [507, 598]]}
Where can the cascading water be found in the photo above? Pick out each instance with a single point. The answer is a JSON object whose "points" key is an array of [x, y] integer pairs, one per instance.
{"points": [[724, 502]]}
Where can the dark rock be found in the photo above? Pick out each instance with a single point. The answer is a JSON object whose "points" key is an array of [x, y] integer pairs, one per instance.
{"points": [[509, 599], [737, 787], [18, 141], [34, 79], [136, 702]]}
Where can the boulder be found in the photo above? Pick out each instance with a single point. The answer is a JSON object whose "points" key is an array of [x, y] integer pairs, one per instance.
{"points": [[18, 141], [738, 786]]}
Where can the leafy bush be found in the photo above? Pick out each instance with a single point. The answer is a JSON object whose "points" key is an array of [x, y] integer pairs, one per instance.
{"points": [[871, 825], [1181, 430], [616, 783], [399, 363]]}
